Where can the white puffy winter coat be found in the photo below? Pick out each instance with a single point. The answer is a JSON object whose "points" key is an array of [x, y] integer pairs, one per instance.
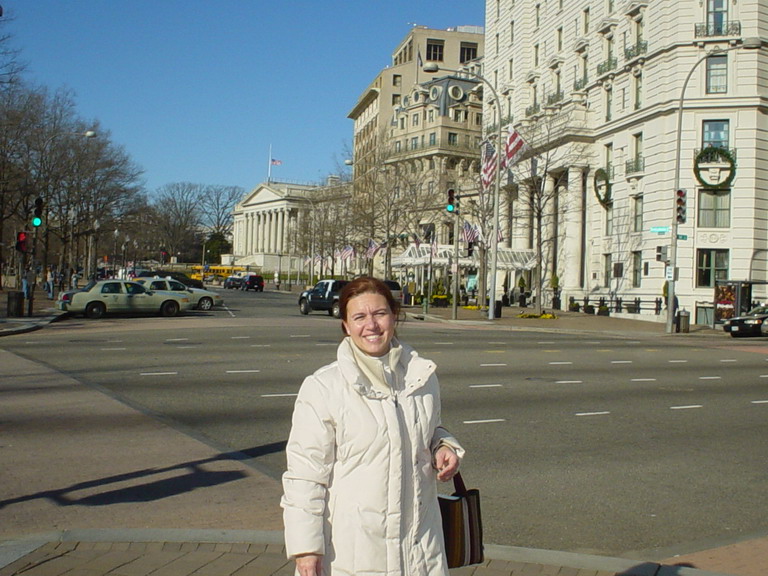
{"points": [[360, 487]]}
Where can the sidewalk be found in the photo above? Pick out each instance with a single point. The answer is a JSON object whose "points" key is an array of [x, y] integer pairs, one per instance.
{"points": [[94, 487]]}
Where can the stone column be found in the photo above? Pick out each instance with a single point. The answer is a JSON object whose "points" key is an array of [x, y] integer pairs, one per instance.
{"points": [[572, 263]]}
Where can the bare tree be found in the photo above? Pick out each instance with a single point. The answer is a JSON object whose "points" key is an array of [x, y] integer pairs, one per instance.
{"points": [[178, 216], [216, 206]]}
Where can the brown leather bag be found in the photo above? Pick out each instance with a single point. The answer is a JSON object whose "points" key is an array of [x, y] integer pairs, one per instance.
{"points": [[462, 525]]}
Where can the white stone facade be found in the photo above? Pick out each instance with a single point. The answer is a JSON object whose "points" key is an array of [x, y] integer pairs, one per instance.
{"points": [[615, 70]]}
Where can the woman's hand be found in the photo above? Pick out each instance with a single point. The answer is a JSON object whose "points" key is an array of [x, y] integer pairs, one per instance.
{"points": [[309, 565], [447, 463]]}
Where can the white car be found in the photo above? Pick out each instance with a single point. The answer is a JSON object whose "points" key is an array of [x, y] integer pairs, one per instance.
{"points": [[201, 299], [121, 297]]}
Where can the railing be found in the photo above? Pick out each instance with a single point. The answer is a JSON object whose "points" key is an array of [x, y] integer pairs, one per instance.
{"points": [[725, 28], [555, 98], [440, 144], [603, 305], [633, 165], [639, 48], [581, 83], [607, 66], [533, 109]]}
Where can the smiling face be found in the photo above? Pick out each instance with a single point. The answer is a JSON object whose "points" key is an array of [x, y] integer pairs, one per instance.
{"points": [[370, 323]]}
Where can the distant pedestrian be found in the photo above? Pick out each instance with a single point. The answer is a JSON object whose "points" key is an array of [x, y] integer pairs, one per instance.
{"points": [[50, 282]]}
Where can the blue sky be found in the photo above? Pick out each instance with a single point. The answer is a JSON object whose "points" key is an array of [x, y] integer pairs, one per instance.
{"points": [[197, 91]]}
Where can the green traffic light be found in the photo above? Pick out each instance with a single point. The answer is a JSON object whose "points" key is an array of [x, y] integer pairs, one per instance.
{"points": [[37, 221], [450, 207]]}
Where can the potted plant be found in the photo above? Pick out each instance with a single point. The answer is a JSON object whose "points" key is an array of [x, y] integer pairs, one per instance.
{"points": [[603, 311], [589, 309], [522, 298], [574, 307], [554, 283]]}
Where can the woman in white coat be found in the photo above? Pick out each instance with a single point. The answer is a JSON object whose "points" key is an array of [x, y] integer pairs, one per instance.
{"points": [[365, 451]]}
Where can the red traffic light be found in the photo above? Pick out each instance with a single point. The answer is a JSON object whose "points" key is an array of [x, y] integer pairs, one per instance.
{"points": [[681, 201], [21, 241]]}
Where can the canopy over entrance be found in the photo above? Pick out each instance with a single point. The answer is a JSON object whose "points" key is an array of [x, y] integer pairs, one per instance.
{"points": [[422, 255]]}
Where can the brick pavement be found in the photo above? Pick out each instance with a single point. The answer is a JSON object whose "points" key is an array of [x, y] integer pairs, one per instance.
{"points": [[93, 487]]}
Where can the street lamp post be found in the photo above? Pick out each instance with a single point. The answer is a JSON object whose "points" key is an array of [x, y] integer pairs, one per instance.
{"points": [[433, 67], [747, 44]]}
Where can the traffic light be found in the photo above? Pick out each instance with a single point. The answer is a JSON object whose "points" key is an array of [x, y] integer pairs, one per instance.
{"points": [[37, 217], [21, 242], [661, 253], [681, 200], [451, 205]]}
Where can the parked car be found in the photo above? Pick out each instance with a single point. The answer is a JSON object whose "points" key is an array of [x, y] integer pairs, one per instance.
{"points": [[201, 298], [323, 296], [180, 276], [753, 323], [102, 297], [252, 282], [232, 282], [395, 288]]}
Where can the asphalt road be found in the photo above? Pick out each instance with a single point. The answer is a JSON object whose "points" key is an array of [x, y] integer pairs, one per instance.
{"points": [[577, 443]]}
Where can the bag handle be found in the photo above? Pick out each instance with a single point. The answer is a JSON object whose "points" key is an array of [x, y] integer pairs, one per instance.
{"points": [[458, 484]]}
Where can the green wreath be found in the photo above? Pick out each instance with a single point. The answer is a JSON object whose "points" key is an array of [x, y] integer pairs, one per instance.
{"points": [[715, 153], [602, 176]]}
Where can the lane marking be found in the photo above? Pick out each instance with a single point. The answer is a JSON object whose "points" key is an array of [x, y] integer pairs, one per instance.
{"points": [[592, 413], [300, 336], [486, 385], [759, 401], [621, 361], [326, 344], [490, 365], [543, 342], [241, 371], [643, 380], [158, 373], [177, 339], [502, 343], [677, 361], [278, 395], [564, 363], [709, 378], [569, 382], [689, 407], [112, 349], [443, 343], [240, 337], [261, 345], [729, 360], [489, 421]]}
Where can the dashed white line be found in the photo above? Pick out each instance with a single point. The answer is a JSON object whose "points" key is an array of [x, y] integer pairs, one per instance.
{"points": [[689, 407], [177, 339], [158, 373], [759, 401], [112, 349], [569, 382], [643, 380], [443, 343], [300, 336], [240, 337], [277, 395], [488, 421], [592, 413], [490, 365], [729, 360], [485, 385], [621, 361], [709, 377], [242, 371], [560, 363], [677, 361], [261, 345]]}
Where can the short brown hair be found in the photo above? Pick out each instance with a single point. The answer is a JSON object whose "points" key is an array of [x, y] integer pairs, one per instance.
{"points": [[366, 285]]}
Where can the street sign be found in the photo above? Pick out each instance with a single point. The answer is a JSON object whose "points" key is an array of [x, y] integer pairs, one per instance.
{"points": [[659, 229], [682, 236]]}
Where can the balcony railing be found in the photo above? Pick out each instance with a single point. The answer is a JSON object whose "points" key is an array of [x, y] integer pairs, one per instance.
{"points": [[725, 28], [533, 109], [580, 83], [555, 98], [640, 48], [607, 66], [634, 165]]}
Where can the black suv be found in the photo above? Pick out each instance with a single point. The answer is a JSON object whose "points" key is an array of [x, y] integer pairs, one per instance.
{"points": [[252, 282], [323, 296]]}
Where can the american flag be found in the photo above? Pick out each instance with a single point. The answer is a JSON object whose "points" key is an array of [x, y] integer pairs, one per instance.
{"points": [[347, 253], [515, 148], [434, 246], [469, 232], [489, 164], [276, 162], [372, 249]]}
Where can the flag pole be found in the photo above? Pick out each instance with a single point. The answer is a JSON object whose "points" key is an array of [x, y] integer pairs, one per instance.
{"points": [[269, 165]]}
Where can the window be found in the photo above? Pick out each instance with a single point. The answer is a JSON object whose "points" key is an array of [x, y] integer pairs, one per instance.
{"points": [[414, 143], [435, 49], [478, 118], [415, 120], [609, 6], [585, 21], [637, 144], [453, 139], [714, 208], [609, 220], [432, 138], [395, 99], [717, 16], [637, 269], [607, 270], [637, 213], [608, 105], [397, 80], [711, 265], [459, 115], [717, 74], [511, 69], [538, 15], [402, 123], [609, 160], [397, 146], [431, 115], [467, 52], [559, 39], [715, 133], [512, 32], [535, 55]]}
